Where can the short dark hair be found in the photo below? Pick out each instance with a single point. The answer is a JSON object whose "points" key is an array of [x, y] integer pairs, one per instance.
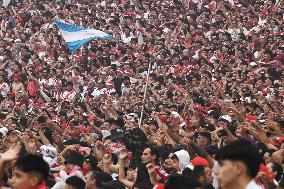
{"points": [[198, 171], [76, 182], [188, 172], [101, 177], [178, 181], [114, 184], [174, 157], [75, 158], [277, 168], [206, 135], [143, 178], [154, 151], [244, 151], [33, 164]]}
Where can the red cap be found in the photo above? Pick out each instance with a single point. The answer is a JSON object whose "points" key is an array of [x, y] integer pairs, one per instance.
{"points": [[200, 161]]}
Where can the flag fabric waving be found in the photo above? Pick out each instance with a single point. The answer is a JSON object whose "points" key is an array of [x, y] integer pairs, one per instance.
{"points": [[76, 36], [6, 3]]}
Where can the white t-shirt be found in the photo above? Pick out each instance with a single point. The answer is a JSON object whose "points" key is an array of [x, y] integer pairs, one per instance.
{"points": [[4, 89], [126, 39], [214, 170], [69, 95], [252, 185]]}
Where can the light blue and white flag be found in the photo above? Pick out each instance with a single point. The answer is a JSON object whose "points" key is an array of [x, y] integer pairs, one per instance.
{"points": [[76, 36]]}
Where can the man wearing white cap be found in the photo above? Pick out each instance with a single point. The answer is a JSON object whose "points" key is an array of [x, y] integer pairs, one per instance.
{"points": [[225, 121]]}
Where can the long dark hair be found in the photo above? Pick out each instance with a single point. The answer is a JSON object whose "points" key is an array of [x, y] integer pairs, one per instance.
{"points": [[143, 179]]}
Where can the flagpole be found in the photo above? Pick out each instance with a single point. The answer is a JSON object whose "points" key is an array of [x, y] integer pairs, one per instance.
{"points": [[145, 94]]}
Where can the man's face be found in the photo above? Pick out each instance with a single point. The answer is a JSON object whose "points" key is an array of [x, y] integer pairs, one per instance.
{"points": [[2, 10], [114, 126], [176, 164], [168, 164], [22, 180], [211, 120], [147, 157], [106, 126], [221, 123], [45, 73], [131, 174], [226, 173], [153, 128], [257, 111], [90, 183], [208, 175], [202, 141], [269, 167]]}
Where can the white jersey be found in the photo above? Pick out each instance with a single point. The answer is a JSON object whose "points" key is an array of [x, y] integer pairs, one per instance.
{"points": [[69, 95], [4, 89]]}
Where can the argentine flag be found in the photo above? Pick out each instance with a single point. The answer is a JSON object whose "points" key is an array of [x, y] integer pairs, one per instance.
{"points": [[76, 36]]}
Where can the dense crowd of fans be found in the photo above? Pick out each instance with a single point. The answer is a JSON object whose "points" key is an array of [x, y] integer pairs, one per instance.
{"points": [[213, 108]]}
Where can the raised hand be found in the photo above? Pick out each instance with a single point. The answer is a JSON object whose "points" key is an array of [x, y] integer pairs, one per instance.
{"points": [[123, 154], [100, 145], [185, 140], [107, 159], [152, 169], [164, 129], [32, 144], [11, 154]]}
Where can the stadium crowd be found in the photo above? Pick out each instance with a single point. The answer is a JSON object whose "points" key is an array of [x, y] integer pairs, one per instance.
{"points": [[213, 112]]}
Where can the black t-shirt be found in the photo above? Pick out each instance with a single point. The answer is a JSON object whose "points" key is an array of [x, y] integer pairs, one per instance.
{"points": [[207, 186], [117, 85]]}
